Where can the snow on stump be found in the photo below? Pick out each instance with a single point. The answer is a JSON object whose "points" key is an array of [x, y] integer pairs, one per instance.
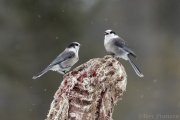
{"points": [[90, 91]]}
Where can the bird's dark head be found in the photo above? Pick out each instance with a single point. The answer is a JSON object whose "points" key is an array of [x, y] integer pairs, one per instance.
{"points": [[73, 45]]}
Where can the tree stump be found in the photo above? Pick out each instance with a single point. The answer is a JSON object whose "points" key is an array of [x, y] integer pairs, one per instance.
{"points": [[90, 91]]}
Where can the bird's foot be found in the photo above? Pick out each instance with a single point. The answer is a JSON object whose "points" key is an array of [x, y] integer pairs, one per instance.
{"points": [[111, 54], [64, 72], [117, 57]]}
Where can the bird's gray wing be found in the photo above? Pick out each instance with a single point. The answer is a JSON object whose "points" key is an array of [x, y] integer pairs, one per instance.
{"points": [[62, 57], [119, 42]]}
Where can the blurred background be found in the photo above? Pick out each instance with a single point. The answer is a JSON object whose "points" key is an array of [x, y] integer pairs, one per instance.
{"points": [[34, 32]]}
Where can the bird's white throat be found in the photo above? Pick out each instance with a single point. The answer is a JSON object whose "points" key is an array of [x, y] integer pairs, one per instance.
{"points": [[107, 38], [75, 50]]}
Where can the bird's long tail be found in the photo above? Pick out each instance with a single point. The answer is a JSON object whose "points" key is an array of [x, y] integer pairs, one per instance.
{"points": [[41, 73], [136, 69]]}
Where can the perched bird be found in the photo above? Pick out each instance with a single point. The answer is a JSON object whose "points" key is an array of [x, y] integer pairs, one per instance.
{"points": [[116, 46], [64, 61]]}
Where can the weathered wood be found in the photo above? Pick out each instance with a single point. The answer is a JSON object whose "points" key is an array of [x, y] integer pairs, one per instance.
{"points": [[90, 91]]}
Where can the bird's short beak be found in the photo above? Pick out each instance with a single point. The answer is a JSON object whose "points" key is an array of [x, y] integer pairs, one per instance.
{"points": [[105, 33]]}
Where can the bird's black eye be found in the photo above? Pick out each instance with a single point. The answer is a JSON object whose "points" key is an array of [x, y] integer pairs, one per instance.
{"points": [[76, 44], [71, 45], [112, 32], [106, 33]]}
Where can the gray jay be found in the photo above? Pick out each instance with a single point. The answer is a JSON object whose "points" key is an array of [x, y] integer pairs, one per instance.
{"points": [[117, 47], [64, 61]]}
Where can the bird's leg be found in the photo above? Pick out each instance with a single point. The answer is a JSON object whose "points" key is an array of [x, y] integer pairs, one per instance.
{"points": [[61, 72], [113, 55], [110, 53], [117, 57], [64, 72]]}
